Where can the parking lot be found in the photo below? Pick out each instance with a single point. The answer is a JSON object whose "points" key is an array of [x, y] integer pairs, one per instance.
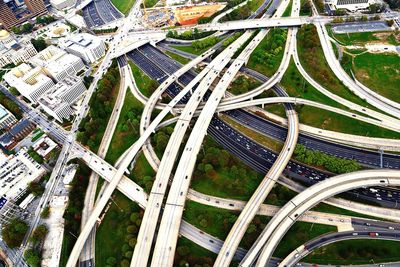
{"points": [[371, 26]]}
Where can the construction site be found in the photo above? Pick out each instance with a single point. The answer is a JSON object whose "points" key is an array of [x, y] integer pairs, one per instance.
{"points": [[166, 13]]}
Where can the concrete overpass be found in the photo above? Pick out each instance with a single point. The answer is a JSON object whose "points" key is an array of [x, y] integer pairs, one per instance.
{"points": [[294, 257], [283, 220], [166, 241]]}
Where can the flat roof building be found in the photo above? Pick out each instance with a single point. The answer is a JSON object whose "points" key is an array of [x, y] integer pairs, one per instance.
{"points": [[6, 118], [13, 51], [59, 101], [16, 172], [57, 63], [88, 47], [349, 5], [44, 146], [61, 4], [19, 131], [30, 82]]}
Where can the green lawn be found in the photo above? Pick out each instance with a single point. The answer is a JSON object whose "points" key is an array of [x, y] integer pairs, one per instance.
{"points": [[379, 72], [288, 10], [124, 137], [312, 58], [193, 254], [356, 252], [218, 223], [145, 84], [361, 38], [190, 49], [123, 5], [178, 58], [37, 135], [255, 4], [150, 3], [111, 236], [296, 86]]}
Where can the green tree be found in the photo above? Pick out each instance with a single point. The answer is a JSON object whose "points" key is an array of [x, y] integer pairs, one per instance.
{"points": [[111, 261], [14, 232], [32, 257], [39, 44]]}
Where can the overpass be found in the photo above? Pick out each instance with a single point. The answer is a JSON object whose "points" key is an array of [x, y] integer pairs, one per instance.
{"points": [[149, 222], [321, 241], [166, 241], [363, 92], [283, 220], [116, 177]]}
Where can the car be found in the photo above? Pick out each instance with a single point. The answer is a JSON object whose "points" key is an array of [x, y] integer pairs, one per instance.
{"points": [[373, 234]]}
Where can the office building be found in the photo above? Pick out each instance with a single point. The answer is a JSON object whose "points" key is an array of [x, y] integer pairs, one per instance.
{"points": [[7, 17], [44, 146], [61, 4], [349, 5], [30, 82], [88, 47], [37, 7], [59, 101], [13, 51], [6, 118], [57, 64]]}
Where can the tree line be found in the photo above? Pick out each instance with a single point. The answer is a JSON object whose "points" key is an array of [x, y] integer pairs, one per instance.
{"points": [[10, 105], [189, 35], [205, 43], [92, 127], [330, 163]]}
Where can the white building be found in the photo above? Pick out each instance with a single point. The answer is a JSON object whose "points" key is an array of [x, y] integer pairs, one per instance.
{"points": [[12, 51], [30, 82], [44, 146], [16, 172], [350, 5], [57, 64], [86, 46], [6, 118], [59, 101], [61, 4]]}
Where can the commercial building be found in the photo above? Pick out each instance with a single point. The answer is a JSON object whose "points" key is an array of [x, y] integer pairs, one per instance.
{"points": [[19, 131], [61, 4], [7, 17], [88, 47], [37, 7], [60, 101], [6, 118], [44, 146], [57, 64], [30, 82], [13, 51], [10, 18], [349, 5], [16, 172]]}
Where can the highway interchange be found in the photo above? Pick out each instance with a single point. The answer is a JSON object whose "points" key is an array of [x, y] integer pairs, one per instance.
{"points": [[201, 95]]}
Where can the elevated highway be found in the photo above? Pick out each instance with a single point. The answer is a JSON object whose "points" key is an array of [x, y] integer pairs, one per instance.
{"points": [[294, 257], [164, 250], [116, 179], [150, 219], [282, 221], [363, 92]]}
